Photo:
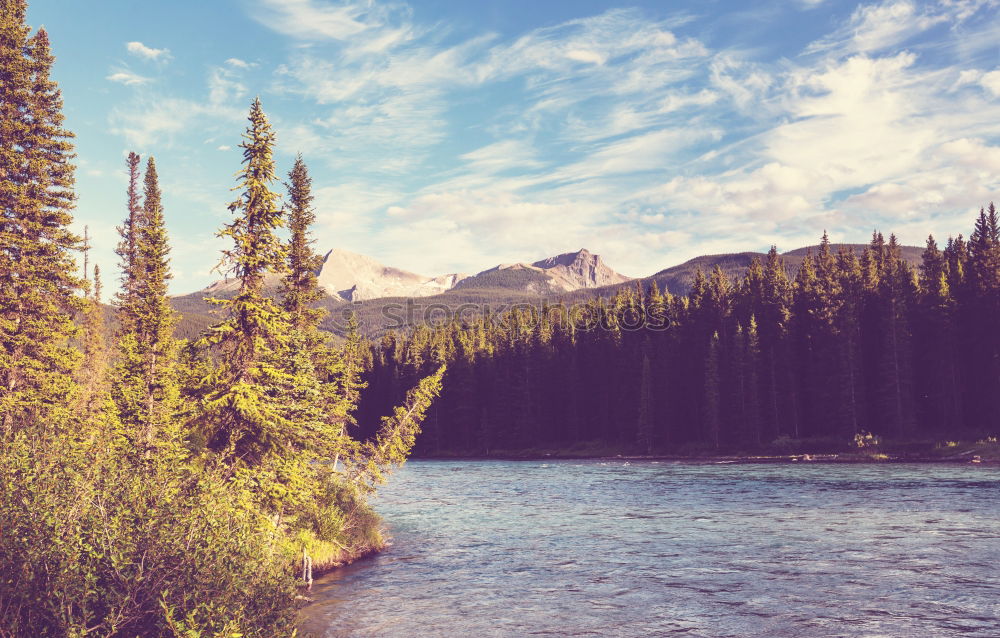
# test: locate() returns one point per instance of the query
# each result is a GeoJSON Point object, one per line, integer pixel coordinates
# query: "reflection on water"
{"type": "Point", "coordinates": [569, 548]}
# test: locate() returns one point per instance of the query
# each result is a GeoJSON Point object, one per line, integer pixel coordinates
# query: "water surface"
{"type": "Point", "coordinates": [570, 548]}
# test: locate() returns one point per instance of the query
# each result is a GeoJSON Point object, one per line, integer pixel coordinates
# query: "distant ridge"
{"type": "Point", "coordinates": [678, 279]}
{"type": "Point", "coordinates": [562, 273]}
{"type": "Point", "coordinates": [371, 287]}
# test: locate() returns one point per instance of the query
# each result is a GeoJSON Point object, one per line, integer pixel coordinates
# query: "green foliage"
{"type": "Point", "coordinates": [172, 491]}
{"type": "Point", "coordinates": [299, 288]}
{"type": "Point", "coordinates": [244, 416]}
{"type": "Point", "coordinates": [38, 287]}
{"type": "Point", "coordinates": [145, 387]}
{"type": "Point", "coordinates": [97, 541]}
{"type": "Point", "coordinates": [397, 434]}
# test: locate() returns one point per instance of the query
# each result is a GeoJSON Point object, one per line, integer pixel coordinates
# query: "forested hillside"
{"type": "Point", "coordinates": [856, 341]}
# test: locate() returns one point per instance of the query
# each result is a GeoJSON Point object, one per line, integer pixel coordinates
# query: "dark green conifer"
{"type": "Point", "coordinates": [127, 299]}
{"type": "Point", "coordinates": [645, 424]}
{"type": "Point", "coordinates": [299, 288]}
{"type": "Point", "coordinates": [38, 284]}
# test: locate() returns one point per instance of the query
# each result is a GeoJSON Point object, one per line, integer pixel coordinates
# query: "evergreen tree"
{"type": "Point", "coordinates": [244, 417]}
{"type": "Point", "coordinates": [645, 424]}
{"type": "Point", "coordinates": [712, 417]}
{"type": "Point", "coordinates": [299, 288]}
{"type": "Point", "coordinates": [146, 387]}
{"type": "Point", "coordinates": [891, 299]}
{"type": "Point", "coordinates": [93, 371]}
{"type": "Point", "coordinates": [934, 360]}
{"type": "Point", "coordinates": [851, 287]}
{"type": "Point", "coordinates": [38, 285]}
{"type": "Point", "coordinates": [155, 319]}
{"type": "Point", "coordinates": [774, 315]}
{"type": "Point", "coordinates": [128, 297]}
{"type": "Point", "coordinates": [982, 307]}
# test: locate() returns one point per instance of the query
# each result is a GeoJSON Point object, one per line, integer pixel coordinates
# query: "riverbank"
{"type": "Point", "coordinates": [333, 558]}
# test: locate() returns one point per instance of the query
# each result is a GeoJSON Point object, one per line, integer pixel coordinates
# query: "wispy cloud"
{"type": "Point", "coordinates": [309, 19]}
{"type": "Point", "coordinates": [153, 118]}
{"type": "Point", "coordinates": [642, 136]}
{"type": "Point", "coordinates": [239, 64]}
{"type": "Point", "coordinates": [892, 23]}
{"type": "Point", "coordinates": [129, 78]}
{"type": "Point", "coordinates": [140, 50]}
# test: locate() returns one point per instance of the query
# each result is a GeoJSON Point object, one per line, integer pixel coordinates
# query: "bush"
{"type": "Point", "coordinates": [97, 542]}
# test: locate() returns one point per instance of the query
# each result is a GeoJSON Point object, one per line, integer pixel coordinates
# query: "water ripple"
{"type": "Point", "coordinates": [642, 549]}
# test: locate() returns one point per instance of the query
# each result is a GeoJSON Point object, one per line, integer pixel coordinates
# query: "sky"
{"type": "Point", "coordinates": [449, 136]}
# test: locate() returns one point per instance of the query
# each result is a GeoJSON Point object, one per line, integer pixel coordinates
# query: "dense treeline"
{"type": "Point", "coordinates": [151, 486]}
{"type": "Point", "coordinates": [854, 343]}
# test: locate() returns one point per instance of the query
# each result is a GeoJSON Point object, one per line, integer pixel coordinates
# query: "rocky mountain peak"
{"type": "Point", "coordinates": [581, 269]}
{"type": "Point", "coordinates": [568, 259]}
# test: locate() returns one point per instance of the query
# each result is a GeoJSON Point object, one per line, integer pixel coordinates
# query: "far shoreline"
{"type": "Point", "coordinates": [790, 459]}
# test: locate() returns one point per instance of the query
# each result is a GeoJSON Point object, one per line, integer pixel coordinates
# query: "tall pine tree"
{"type": "Point", "coordinates": [38, 284]}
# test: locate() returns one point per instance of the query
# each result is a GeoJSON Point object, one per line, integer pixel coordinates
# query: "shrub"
{"type": "Point", "coordinates": [97, 542]}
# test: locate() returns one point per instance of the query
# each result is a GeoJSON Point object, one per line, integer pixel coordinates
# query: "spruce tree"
{"type": "Point", "coordinates": [893, 297]}
{"type": "Point", "coordinates": [934, 361]}
{"type": "Point", "coordinates": [299, 288]}
{"type": "Point", "coordinates": [93, 372]}
{"type": "Point", "coordinates": [127, 299]}
{"type": "Point", "coordinates": [712, 412]}
{"type": "Point", "coordinates": [774, 317]}
{"type": "Point", "coordinates": [850, 284]}
{"type": "Point", "coordinates": [751, 383]}
{"type": "Point", "coordinates": [38, 284]}
{"type": "Point", "coordinates": [155, 317]}
{"type": "Point", "coordinates": [244, 418]}
{"type": "Point", "coordinates": [145, 388]}
{"type": "Point", "coordinates": [981, 293]}
{"type": "Point", "coordinates": [644, 427]}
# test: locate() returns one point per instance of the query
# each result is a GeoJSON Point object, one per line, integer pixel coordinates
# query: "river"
{"type": "Point", "coordinates": [594, 548]}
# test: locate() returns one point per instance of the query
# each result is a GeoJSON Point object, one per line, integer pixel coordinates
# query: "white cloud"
{"type": "Point", "coordinates": [644, 152]}
{"type": "Point", "coordinates": [224, 88]}
{"type": "Point", "coordinates": [877, 26]}
{"type": "Point", "coordinates": [991, 82]}
{"type": "Point", "coordinates": [892, 23]}
{"type": "Point", "coordinates": [154, 118]}
{"type": "Point", "coordinates": [744, 82]}
{"type": "Point", "coordinates": [507, 155]}
{"type": "Point", "coordinates": [126, 77]}
{"type": "Point", "coordinates": [239, 64]}
{"type": "Point", "coordinates": [141, 50]}
{"type": "Point", "coordinates": [387, 84]}
{"type": "Point", "coordinates": [583, 55]}
{"type": "Point", "coordinates": [517, 228]}
{"type": "Point", "coordinates": [311, 20]}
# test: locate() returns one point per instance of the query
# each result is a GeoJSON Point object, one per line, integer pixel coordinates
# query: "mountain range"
{"type": "Point", "coordinates": [360, 284]}
{"type": "Point", "coordinates": [350, 277]}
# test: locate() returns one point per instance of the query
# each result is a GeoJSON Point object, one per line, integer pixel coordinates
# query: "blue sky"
{"type": "Point", "coordinates": [448, 136]}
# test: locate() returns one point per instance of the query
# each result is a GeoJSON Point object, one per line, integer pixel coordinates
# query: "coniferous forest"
{"type": "Point", "coordinates": [854, 344]}
{"type": "Point", "coordinates": [150, 486]}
